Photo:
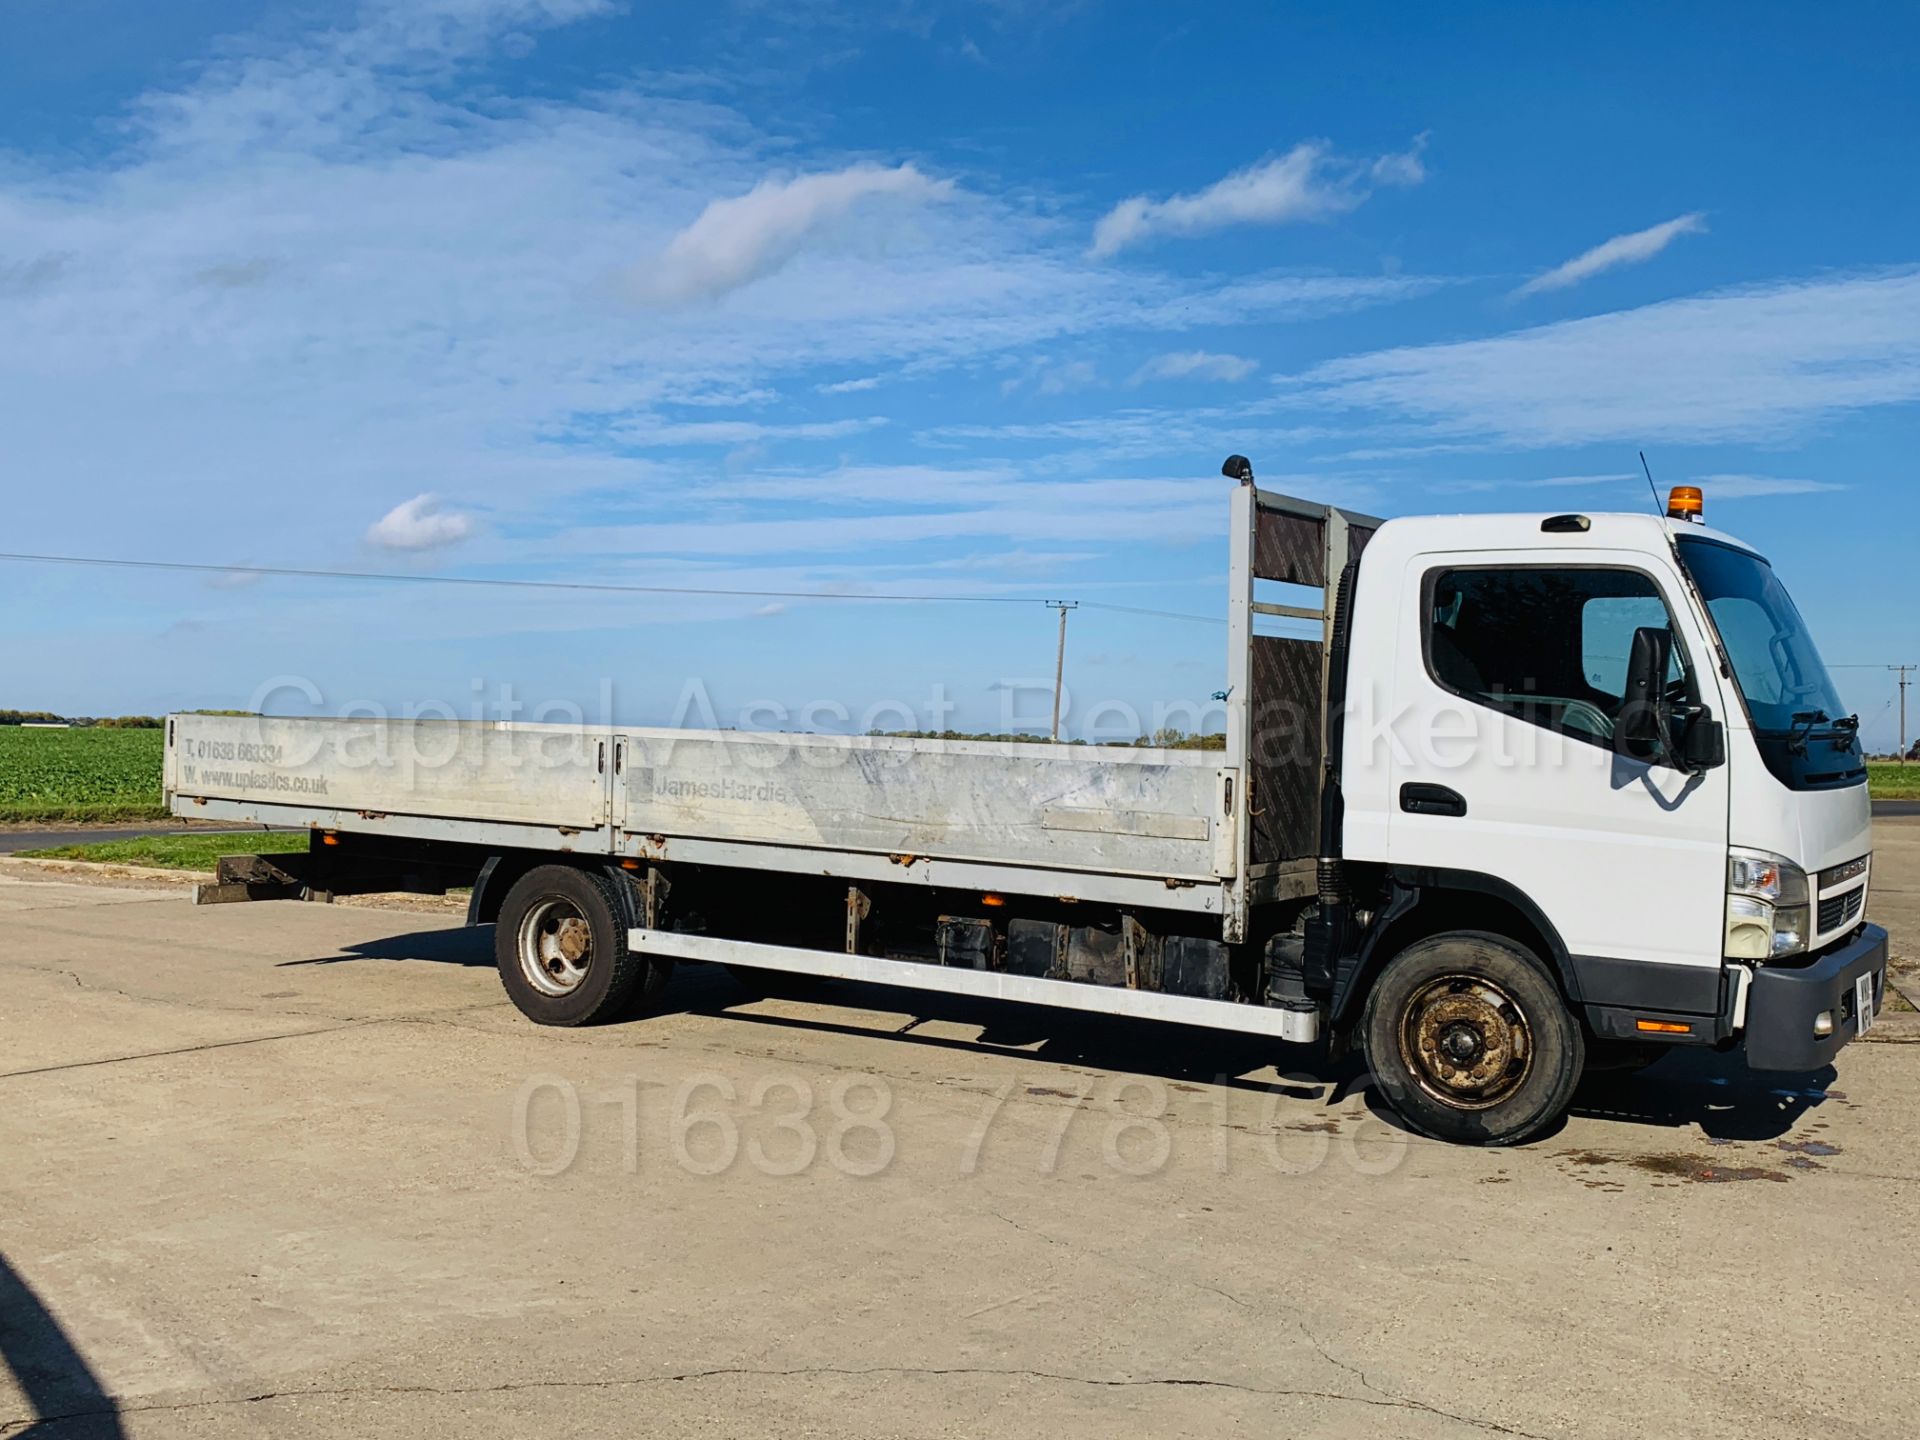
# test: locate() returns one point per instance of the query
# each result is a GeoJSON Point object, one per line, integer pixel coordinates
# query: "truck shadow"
{"type": "Point", "coordinates": [65, 1395]}
{"type": "Point", "coordinates": [462, 945]}
{"type": "Point", "coordinates": [1155, 1048]}
{"type": "Point", "coordinates": [1716, 1093]}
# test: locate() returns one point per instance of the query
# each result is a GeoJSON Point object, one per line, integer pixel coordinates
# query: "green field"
{"type": "Point", "coordinates": [190, 851]}
{"type": "Point", "coordinates": [80, 774]}
{"type": "Point", "coordinates": [100, 774]}
{"type": "Point", "coordinates": [1891, 780]}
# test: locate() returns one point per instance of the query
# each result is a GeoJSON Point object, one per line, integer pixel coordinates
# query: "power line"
{"type": "Point", "coordinates": [1144, 610]}
{"type": "Point", "coordinates": [595, 587]}
{"type": "Point", "coordinates": [602, 587]}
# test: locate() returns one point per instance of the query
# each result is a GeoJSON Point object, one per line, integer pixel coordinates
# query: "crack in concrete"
{"type": "Point", "coordinates": [1347, 1367]}
{"type": "Point", "coordinates": [68, 909]}
{"type": "Point", "coordinates": [1350, 1368]}
{"type": "Point", "coordinates": [1036, 1234]}
{"type": "Point", "coordinates": [1195, 1382]}
{"type": "Point", "coordinates": [184, 1050]}
{"type": "Point", "coordinates": [198, 1006]}
{"type": "Point", "coordinates": [344, 1022]}
{"type": "Point", "coordinates": [1199, 1117]}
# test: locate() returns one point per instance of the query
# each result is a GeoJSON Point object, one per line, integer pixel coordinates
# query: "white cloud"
{"type": "Point", "coordinates": [738, 241]}
{"type": "Point", "coordinates": [1753, 487]}
{"type": "Point", "coordinates": [1162, 511]}
{"type": "Point", "coordinates": [1739, 365]}
{"type": "Point", "coordinates": [1546, 482]}
{"type": "Point", "coordinates": [1405, 167]}
{"type": "Point", "coordinates": [733, 397]}
{"type": "Point", "coordinates": [1074, 375]}
{"type": "Point", "coordinates": [1717, 487]}
{"type": "Point", "coordinates": [23, 277]}
{"type": "Point", "coordinates": [858, 513]}
{"type": "Point", "coordinates": [419, 524]}
{"type": "Point", "coordinates": [1046, 376]}
{"type": "Point", "coordinates": [648, 433]}
{"type": "Point", "coordinates": [1307, 183]}
{"type": "Point", "coordinates": [334, 261]}
{"type": "Point", "coordinates": [1195, 364]}
{"type": "Point", "coordinates": [850, 387]}
{"type": "Point", "coordinates": [1628, 249]}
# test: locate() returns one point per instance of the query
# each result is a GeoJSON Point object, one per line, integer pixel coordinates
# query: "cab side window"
{"type": "Point", "coordinates": [1549, 647]}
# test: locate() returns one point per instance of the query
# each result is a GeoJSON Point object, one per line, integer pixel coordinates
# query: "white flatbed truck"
{"type": "Point", "coordinates": [1533, 793]}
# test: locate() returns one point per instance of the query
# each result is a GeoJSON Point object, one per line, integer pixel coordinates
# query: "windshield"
{"type": "Point", "coordinates": [1779, 670]}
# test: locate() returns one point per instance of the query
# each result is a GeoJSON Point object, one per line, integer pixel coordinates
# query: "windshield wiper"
{"type": "Point", "coordinates": [1803, 727]}
{"type": "Point", "coordinates": [1803, 723]}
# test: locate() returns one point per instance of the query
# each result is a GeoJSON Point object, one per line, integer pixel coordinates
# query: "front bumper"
{"type": "Point", "coordinates": [1782, 1003]}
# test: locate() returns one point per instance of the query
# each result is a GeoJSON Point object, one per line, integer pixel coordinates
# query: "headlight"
{"type": "Point", "coordinates": [1768, 915]}
{"type": "Point", "coordinates": [1766, 877]}
{"type": "Point", "coordinates": [1790, 930]}
{"type": "Point", "coordinates": [1749, 929]}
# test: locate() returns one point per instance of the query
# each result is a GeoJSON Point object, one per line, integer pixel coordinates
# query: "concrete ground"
{"type": "Point", "coordinates": [300, 1170]}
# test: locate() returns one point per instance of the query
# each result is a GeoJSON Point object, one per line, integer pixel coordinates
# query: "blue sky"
{"type": "Point", "coordinates": [964, 300]}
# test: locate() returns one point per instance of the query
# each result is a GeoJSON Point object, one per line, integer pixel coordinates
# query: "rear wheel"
{"type": "Point", "coordinates": [561, 947]}
{"type": "Point", "coordinates": [1470, 1040]}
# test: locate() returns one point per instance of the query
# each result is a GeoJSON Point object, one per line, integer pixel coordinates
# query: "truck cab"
{"type": "Point", "coordinates": [1607, 746]}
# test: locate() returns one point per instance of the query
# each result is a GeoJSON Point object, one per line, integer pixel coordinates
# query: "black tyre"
{"type": "Point", "coordinates": [561, 945]}
{"type": "Point", "coordinates": [1470, 1040]}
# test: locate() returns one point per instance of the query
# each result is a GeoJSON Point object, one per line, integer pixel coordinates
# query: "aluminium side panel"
{"type": "Point", "coordinates": [1103, 809]}
{"type": "Point", "coordinates": [553, 776]}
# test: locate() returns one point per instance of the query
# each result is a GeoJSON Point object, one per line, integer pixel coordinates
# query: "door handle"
{"type": "Point", "coordinates": [1432, 800]}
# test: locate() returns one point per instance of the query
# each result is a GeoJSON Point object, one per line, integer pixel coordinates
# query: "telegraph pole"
{"type": "Point", "coordinates": [1060, 660]}
{"type": "Point", "coordinates": [1903, 671]}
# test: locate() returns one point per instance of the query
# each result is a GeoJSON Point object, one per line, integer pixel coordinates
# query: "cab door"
{"type": "Point", "coordinates": [1512, 668]}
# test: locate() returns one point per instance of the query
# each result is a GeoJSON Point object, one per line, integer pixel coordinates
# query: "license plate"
{"type": "Point", "coordinates": [1863, 1004]}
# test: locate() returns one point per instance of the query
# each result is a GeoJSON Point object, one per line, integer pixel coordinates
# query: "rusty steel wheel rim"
{"type": "Point", "coordinates": [556, 946]}
{"type": "Point", "coordinates": [1466, 1042]}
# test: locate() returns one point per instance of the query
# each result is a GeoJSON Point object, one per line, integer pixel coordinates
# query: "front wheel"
{"type": "Point", "coordinates": [1470, 1040]}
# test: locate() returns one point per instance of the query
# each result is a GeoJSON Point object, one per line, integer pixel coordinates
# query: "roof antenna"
{"type": "Point", "coordinates": [1658, 508]}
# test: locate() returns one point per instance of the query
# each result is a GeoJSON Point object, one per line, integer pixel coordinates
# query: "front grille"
{"type": "Point", "coordinates": [1841, 910]}
{"type": "Point", "coordinates": [1840, 874]}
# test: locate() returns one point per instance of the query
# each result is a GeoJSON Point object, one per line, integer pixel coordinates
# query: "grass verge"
{"type": "Point", "coordinates": [1890, 780]}
{"type": "Point", "coordinates": [80, 812]}
{"type": "Point", "coordinates": [177, 852]}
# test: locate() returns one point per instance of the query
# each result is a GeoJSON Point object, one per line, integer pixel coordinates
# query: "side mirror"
{"type": "Point", "coordinates": [1641, 731]}
{"type": "Point", "coordinates": [1645, 730]}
